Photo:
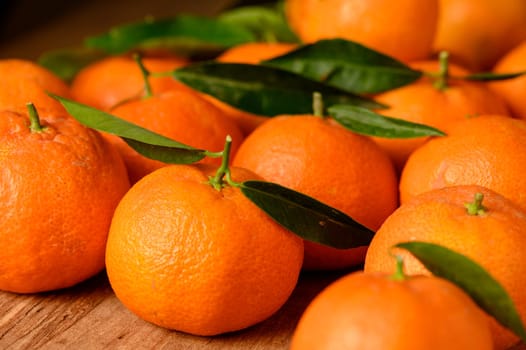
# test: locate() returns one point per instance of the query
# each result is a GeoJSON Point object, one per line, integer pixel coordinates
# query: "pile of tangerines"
{"type": "Point", "coordinates": [185, 249]}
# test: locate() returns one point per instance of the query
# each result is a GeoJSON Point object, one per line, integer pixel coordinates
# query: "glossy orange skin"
{"type": "Point", "coordinates": [477, 33]}
{"type": "Point", "coordinates": [112, 80]}
{"type": "Point", "coordinates": [489, 151]}
{"type": "Point", "coordinates": [421, 102]}
{"type": "Point", "coordinates": [58, 191]}
{"type": "Point", "coordinates": [512, 90]}
{"type": "Point", "coordinates": [494, 239]}
{"type": "Point", "coordinates": [180, 114]}
{"type": "Point", "coordinates": [370, 311]}
{"type": "Point", "coordinates": [188, 257]}
{"type": "Point", "coordinates": [403, 29]}
{"type": "Point", "coordinates": [323, 160]}
{"type": "Point", "coordinates": [24, 81]}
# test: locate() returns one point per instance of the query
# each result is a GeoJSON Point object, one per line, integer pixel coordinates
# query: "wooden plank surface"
{"type": "Point", "coordinates": [89, 316]}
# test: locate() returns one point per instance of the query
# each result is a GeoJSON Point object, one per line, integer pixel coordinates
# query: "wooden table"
{"type": "Point", "coordinates": [89, 316]}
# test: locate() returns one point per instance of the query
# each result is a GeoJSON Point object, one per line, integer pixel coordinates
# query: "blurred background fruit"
{"type": "Point", "coordinates": [112, 80]}
{"type": "Point", "coordinates": [478, 32]}
{"type": "Point", "coordinates": [25, 81]}
{"type": "Point", "coordinates": [404, 29]}
{"type": "Point", "coordinates": [512, 91]}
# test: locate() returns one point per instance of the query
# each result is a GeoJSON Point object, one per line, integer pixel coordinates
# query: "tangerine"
{"type": "Point", "coordinates": [437, 102]}
{"type": "Point", "coordinates": [404, 29]}
{"type": "Point", "coordinates": [511, 90]}
{"type": "Point", "coordinates": [370, 311]}
{"type": "Point", "coordinates": [478, 33]}
{"type": "Point", "coordinates": [24, 82]}
{"type": "Point", "coordinates": [59, 185]}
{"type": "Point", "coordinates": [488, 150]}
{"type": "Point", "coordinates": [255, 52]}
{"type": "Point", "coordinates": [321, 159]}
{"type": "Point", "coordinates": [198, 257]}
{"type": "Point", "coordinates": [472, 220]}
{"type": "Point", "coordinates": [180, 114]}
{"type": "Point", "coordinates": [114, 79]}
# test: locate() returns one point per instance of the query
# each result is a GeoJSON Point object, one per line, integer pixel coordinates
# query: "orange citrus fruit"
{"type": "Point", "coordinates": [115, 79]}
{"type": "Point", "coordinates": [59, 185]}
{"type": "Point", "coordinates": [180, 114]}
{"type": "Point", "coordinates": [24, 81]}
{"type": "Point", "coordinates": [477, 33]}
{"type": "Point", "coordinates": [490, 232]}
{"type": "Point", "coordinates": [255, 52]}
{"type": "Point", "coordinates": [321, 159]}
{"type": "Point", "coordinates": [426, 103]}
{"type": "Point", "coordinates": [489, 151]}
{"type": "Point", "coordinates": [512, 90]}
{"type": "Point", "coordinates": [186, 256]}
{"type": "Point", "coordinates": [371, 311]}
{"type": "Point", "coordinates": [404, 29]}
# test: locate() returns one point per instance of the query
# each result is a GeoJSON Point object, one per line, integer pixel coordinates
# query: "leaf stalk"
{"type": "Point", "coordinates": [145, 74]}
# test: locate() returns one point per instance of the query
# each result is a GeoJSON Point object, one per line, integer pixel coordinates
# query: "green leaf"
{"type": "Point", "coordinates": [263, 90]}
{"type": "Point", "coordinates": [489, 76]}
{"type": "Point", "coordinates": [66, 63]}
{"type": "Point", "coordinates": [472, 278]}
{"type": "Point", "coordinates": [306, 216]}
{"type": "Point", "coordinates": [367, 122]}
{"type": "Point", "coordinates": [265, 23]}
{"type": "Point", "coordinates": [180, 31]}
{"type": "Point", "coordinates": [347, 65]}
{"type": "Point", "coordinates": [144, 141]}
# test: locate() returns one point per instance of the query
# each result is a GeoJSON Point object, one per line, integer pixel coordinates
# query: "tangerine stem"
{"type": "Point", "coordinates": [145, 74]}
{"type": "Point", "coordinates": [476, 207]}
{"type": "Point", "coordinates": [224, 170]}
{"type": "Point", "coordinates": [443, 72]}
{"type": "Point", "coordinates": [399, 274]}
{"type": "Point", "coordinates": [317, 104]}
{"type": "Point", "coordinates": [34, 119]}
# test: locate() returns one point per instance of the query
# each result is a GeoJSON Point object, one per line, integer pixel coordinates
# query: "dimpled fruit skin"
{"type": "Point", "coordinates": [188, 257]}
{"type": "Point", "coordinates": [323, 160]}
{"type": "Point", "coordinates": [494, 239]}
{"type": "Point", "coordinates": [488, 150]}
{"type": "Point", "coordinates": [58, 192]}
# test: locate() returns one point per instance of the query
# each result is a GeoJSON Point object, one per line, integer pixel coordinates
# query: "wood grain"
{"type": "Point", "coordinates": [89, 316]}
